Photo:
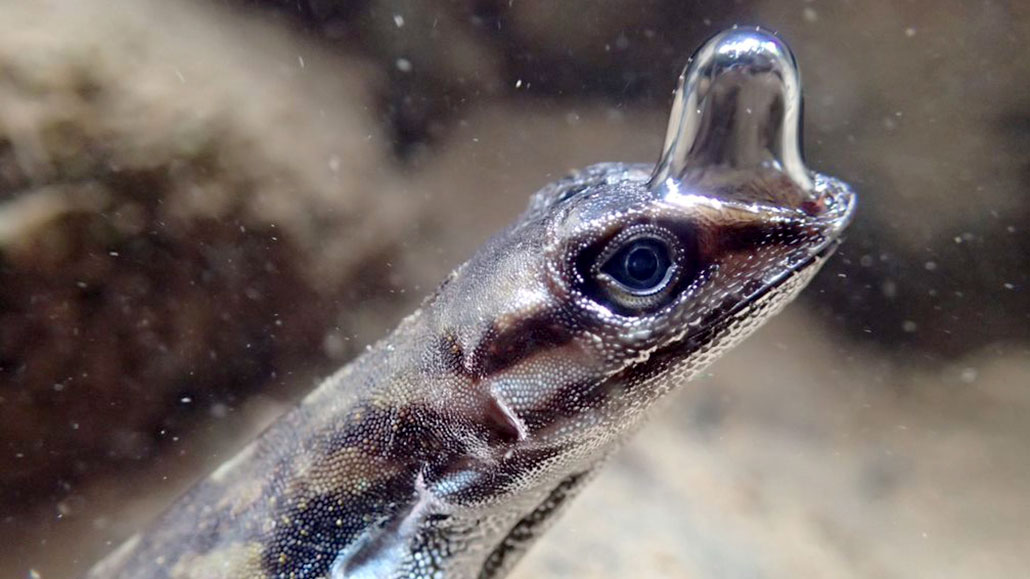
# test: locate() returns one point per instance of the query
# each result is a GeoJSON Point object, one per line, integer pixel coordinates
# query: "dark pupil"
{"type": "Point", "coordinates": [640, 266]}
{"type": "Point", "coordinates": [642, 263]}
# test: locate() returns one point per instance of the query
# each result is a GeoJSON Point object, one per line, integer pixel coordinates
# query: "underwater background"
{"type": "Point", "coordinates": [206, 206]}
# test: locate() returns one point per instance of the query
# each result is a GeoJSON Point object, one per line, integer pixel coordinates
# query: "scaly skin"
{"type": "Point", "coordinates": [447, 448]}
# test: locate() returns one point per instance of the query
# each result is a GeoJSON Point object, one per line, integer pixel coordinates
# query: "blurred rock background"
{"type": "Point", "coordinates": [206, 206]}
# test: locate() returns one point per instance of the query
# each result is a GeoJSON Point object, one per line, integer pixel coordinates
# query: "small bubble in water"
{"type": "Point", "coordinates": [968, 375]}
{"type": "Point", "coordinates": [889, 288]}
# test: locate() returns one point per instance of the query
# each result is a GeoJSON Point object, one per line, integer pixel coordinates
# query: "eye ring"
{"type": "Point", "coordinates": [638, 268]}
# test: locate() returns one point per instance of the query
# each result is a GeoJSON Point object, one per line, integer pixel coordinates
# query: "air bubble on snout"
{"type": "Point", "coordinates": [737, 107]}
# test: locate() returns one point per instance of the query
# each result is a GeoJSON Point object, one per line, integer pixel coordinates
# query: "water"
{"type": "Point", "coordinates": [221, 204]}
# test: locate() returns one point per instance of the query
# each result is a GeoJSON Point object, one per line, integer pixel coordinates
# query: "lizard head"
{"type": "Point", "coordinates": [622, 281]}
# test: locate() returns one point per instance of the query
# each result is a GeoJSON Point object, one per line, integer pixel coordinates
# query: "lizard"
{"type": "Point", "coordinates": [449, 446]}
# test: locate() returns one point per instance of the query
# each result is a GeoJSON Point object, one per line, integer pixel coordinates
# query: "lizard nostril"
{"type": "Point", "coordinates": [831, 198]}
{"type": "Point", "coordinates": [815, 207]}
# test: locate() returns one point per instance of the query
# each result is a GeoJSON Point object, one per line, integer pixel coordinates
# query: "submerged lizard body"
{"type": "Point", "coordinates": [445, 449]}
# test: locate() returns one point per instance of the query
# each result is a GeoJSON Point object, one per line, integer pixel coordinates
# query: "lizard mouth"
{"type": "Point", "coordinates": [779, 289]}
{"type": "Point", "coordinates": [807, 266]}
{"type": "Point", "coordinates": [841, 207]}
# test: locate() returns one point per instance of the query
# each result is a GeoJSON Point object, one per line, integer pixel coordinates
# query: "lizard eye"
{"type": "Point", "coordinates": [638, 269]}
{"type": "Point", "coordinates": [641, 266]}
